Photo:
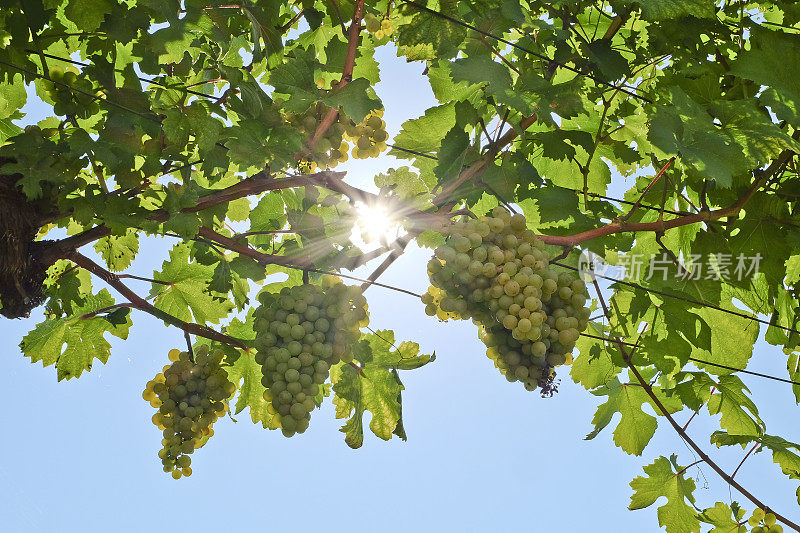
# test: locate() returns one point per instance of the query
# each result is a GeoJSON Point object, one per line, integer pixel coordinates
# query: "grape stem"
{"type": "Point", "coordinates": [681, 432]}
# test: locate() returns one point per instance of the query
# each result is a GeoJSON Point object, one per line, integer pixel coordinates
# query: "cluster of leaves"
{"type": "Point", "coordinates": [187, 137]}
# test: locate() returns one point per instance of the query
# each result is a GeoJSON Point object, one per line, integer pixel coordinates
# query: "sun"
{"type": "Point", "coordinates": [376, 223]}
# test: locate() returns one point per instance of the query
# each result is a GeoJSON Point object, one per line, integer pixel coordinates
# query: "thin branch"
{"type": "Point", "coordinates": [647, 189]}
{"type": "Point", "coordinates": [685, 436]}
{"type": "Point", "coordinates": [497, 195]}
{"type": "Point", "coordinates": [347, 72]}
{"type": "Point", "coordinates": [131, 276]}
{"type": "Point", "coordinates": [756, 445]}
{"type": "Point", "coordinates": [499, 56]}
{"type": "Point", "coordinates": [140, 303]}
{"type": "Point", "coordinates": [686, 425]}
{"type": "Point", "coordinates": [475, 170]}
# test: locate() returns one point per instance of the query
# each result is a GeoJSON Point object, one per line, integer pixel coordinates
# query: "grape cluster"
{"type": "Point", "coordinates": [68, 102]}
{"type": "Point", "coordinates": [190, 395]}
{"type": "Point", "coordinates": [379, 27]}
{"type": "Point", "coordinates": [763, 522]}
{"type": "Point", "coordinates": [300, 333]}
{"type": "Point", "coordinates": [331, 149]}
{"type": "Point", "coordinates": [496, 272]}
{"type": "Point", "coordinates": [369, 136]}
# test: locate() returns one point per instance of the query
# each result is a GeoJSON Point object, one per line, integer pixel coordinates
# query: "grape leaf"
{"type": "Point", "coordinates": [761, 64]}
{"type": "Point", "coordinates": [183, 289]}
{"type": "Point", "coordinates": [87, 14]}
{"type": "Point", "coordinates": [594, 366]}
{"type": "Point", "coordinates": [357, 99]}
{"type": "Point", "coordinates": [723, 518]}
{"type": "Point", "coordinates": [739, 415]}
{"type": "Point", "coordinates": [673, 9]}
{"type": "Point", "coordinates": [425, 134]}
{"type": "Point", "coordinates": [246, 374]}
{"type": "Point", "coordinates": [374, 386]}
{"type": "Point", "coordinates": [118, 251]}
{"type": "Point", "coordinates": [73, 343]}
{"type": "Point", "coordinates": [676, 516]}
{"type": "Point", "coordinates": [635, 428]}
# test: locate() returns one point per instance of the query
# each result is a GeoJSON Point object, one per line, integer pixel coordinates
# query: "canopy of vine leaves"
{"type": "Point", "coordinates": [220, 124]}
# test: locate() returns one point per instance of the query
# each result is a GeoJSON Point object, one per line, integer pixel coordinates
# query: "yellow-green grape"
{"type": "Point", "coordinates": [757, 517]}
{"type": "Point", "coordinates": [369, 135]}
{"type": "Point", "coordinates": [770, 519]}
{"type": "Point", "coordinates": [372, 22]}
{"type": "Point", "coordinates": [330, 149]}
{"type": "Point", "coordinates": [300, 333]}
{"type": "Point", "coordinates": [386, 27]}
{"type": "Point", "coordinates": [190, 394]}
{"type": "Point", "coordinates": [496, 272]}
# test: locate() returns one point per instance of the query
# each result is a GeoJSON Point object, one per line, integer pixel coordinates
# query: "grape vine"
{"type": "Point", "coordinates": [217, 126]}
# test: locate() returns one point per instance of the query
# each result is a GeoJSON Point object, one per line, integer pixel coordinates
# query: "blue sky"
{"type": "Point", "coordinates": [482, 454]}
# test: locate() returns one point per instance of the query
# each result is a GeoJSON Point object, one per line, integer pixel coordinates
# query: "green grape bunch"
{"type": "Point", "coordinates": [331, 149]}
{"type": "Point", "coordinates": [380, 28]}
{"type": "Point", "coordinates": [369, 136]}
{"type": "Point", "coordinates": [762, 522]}
{"type": "Point", "coordinates": [190, 394]}
{"type": "Point", "coordinates": [496, 272]}
{"type": "Point", "coordinates": [67, 102]}
{"type": "Point", "coordinates": [300, 333]}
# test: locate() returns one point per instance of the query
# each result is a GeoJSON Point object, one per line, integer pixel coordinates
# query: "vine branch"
{"type": "Point", "coordinates": [137, 302]}
{"type": "Point", "coordinates": [678, 429]}
{"type": "Point", "coordinates": [347, 72]}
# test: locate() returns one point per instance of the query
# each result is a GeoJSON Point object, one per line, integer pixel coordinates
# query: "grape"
{"type": "Point", "coordinates": [317, 332]}
{"type": "Point", "coordinates": [190, 394]}
{"type": "Point", "coordinates": [495, 271]}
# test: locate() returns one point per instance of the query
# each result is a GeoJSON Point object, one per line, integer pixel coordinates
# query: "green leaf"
{"type": "Point", "coordinates": [482, 70]}
{"type": "Point", "coordinates": [406, 185]}
{"type": "Point", "coordinates": [676, 516]}
{"type": "Point", "coordinates": [295, 78]}
{"type": "Point", "coordinates": [785, 454]}
{"type": "Point", "coordinates": [246, 374]}
{"type": "Point", "coordinates": [425, 134]}
{"type": "Point", "coordinates": [673, 9]}
{"type": "Point", "coordinates": [611, 63]}
{"type": "Point", "coordinates": [739, 415]}
{"type": "Point", "coordinates": [183, 293]}
{"type": "Point", "coordinates": [374, 386]}
{"type": "Point", "coordinates": [765, 67]}
{"type": "Point", "coordinates": [686, 129]}
{"type": "Point", "coordinates": [357, 99]}
{"type": "Point", "coordinates": [635, 428]}
{"type": "Point", "coordinates": [87, 14]}
{"type": "Point", "coordinates": [793, 269]}
{"type": "Point", "coordinates": [73, 343]}
{"type": "Point", "coordinates": [446, 89]}
{"type": "Point", "coordinates": [722, 518]}
{"type": "Point", "coordinates": [451, 155]}
{"type": "Point", "coordinates": [594, 366]}
{"type": "Point", "coordinates": [12, 97]}
{"type": "Point", "coordinates": [118, 251]}
{"type": "Point", "coordinates": [793, 367]}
